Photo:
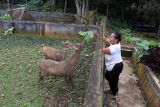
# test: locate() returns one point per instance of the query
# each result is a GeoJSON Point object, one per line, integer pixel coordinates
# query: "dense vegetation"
{"type": "Point", "coordinates": [152, 59]}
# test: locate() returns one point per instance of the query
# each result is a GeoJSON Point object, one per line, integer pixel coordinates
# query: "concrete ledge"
{"type": "Point", "coordinates": [94, 92]}
{"type": "Point", "coordinates": [41, 28]}
{"type": "Point", "coordinates": [52, 17]}
{"type": "Point", "coordinates": [127, 51]}
{"type": "Point", "coordinates": [148, 82]}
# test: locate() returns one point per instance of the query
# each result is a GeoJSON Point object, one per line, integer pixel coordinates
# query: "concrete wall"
{"type": "Point", "coordinates": [5, 25]}
{"type": "Point", "coordinates": [41, 28]}
{"type": "Point", "coordinates": [54, 17]}
{"type": "Point", "coordinates": [44, 16]}
{"type": "Point", "coordinates": [148, 82]}
{"type": "Point", "coordinates": [2, 12]}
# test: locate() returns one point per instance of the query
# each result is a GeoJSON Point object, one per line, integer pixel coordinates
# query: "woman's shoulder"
{"type": "Point", "coordinates": [116, 45]}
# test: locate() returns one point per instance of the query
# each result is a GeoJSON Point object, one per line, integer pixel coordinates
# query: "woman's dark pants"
{"type": "Point", "coordinates": [113, 77]}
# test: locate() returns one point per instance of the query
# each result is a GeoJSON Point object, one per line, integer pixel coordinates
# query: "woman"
{"type": "Point", "coordinates": [113, 61]}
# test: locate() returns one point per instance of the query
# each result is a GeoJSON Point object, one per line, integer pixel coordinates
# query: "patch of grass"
{"type": "Point", "coordinates": [19, 74]}
{"type": "Point", "coordinates": [72, 104]}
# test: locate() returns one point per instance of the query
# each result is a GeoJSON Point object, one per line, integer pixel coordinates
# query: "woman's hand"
{"type": "Point", "coordinates": [106, 40]}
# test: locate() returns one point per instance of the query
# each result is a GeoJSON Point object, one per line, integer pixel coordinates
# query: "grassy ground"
{"type": "Point", "coordinates": [19, 81]}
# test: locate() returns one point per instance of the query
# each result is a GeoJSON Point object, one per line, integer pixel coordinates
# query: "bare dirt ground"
{"type": "Point", "coordinates": [129, 93]}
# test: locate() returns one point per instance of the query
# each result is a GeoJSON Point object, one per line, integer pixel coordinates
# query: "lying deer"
{"type": "Point", "coordinates": [56, 54]}
{"type": "Point", "coordinates": [63, 68]}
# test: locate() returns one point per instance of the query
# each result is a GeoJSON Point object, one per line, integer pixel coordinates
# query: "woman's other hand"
{"type": "Point", "coordinates": [106, 51]}
{"type": "Point", "coordinates": [106, 40]}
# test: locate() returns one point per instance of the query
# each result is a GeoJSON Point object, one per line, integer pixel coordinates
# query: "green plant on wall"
{"type": "Point", "coordinates": [126, 35]}
{"type": "Point", "coordinates": [5, 17]}
{"type": "Point", "coordinates": [87, 36]}
{"type": "Point", "coordinates": [8, 31]}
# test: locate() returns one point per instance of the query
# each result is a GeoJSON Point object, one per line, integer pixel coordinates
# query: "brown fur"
{"type": "Point", "coordinates": [56, 54]}
{"type": "Point", "coordinates": [63, 68]}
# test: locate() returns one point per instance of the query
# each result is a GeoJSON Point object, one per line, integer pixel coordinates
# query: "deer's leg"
{"type": "Point", "coordinates": [68, 79]}
{"type": "Point", "coordinates": [41, 76]}
{"type": "Point", "coordinates": [45, 57]}
{"type": "Point", "coordinates": [71, 80]}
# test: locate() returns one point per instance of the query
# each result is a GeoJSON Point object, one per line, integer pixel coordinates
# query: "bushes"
{"type": "Point", "coordinates": [126, 35]}
{"type": "Point", "coordinates": [5, 17]}
{"type": "Point", "coordinates": [152, 60]}
{"type": "Point", "coordinates": [148, 53]}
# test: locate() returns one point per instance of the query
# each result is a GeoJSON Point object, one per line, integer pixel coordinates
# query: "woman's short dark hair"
{"type": "Point", "coordinates": [117, 36]}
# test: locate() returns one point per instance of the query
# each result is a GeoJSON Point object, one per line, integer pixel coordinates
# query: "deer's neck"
{"type": "Point", "coordinates": [74, 57]}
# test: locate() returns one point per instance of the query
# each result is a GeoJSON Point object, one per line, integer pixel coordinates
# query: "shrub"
{"type": "Point", "coordinates": [5, 17]}
{"type": "Point", "coordinates": [152, 60]}
{"type": "Point", "coordinates": [126, 35]}
{"type": "Point", "coordinates": [9, 31]}
{"type": "Point", "coordinates": [87, 36]}
{"type": "Point", "coordinates": [143, 47]}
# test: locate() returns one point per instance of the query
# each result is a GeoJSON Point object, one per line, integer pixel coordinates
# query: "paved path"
{"type": "Point", "coordinates": [129, 93]}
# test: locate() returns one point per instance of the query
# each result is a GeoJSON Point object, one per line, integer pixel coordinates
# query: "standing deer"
{"type": "Point", "coordinates": [63, 68]}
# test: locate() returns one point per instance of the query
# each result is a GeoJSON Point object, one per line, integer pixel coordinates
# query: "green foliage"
{"type": "Point", "coordinates": [126, 35]}
{"type": "Point", "coordinates": [90, 17]}
{"type": "Point", "coordinates": [51, 8]}
{"type": "Point", "coordinates": [152, 60]}
{"type": "Point", "coordinates": [26, 105]}
{"type": "Point", "coordinates": [8, 31]}
{"type": "Point", "coordinates": [34, 5]}
{"type": "Point", "coordinates": [87, 36]}
{"type": "Point", "coordinates": [143, 47]}
{"type": "Point", "coordinates": [153, 43]}
{"type": "Point", "coordinates": [39, 5]}
{"type": "Point", "coordinates": [5, 17]}
{"type": "Point", "coordinates": [151, 10]}
{"type": "Point", "coordinates": [35, 2]}
{"type": "Point", "coordinates": [72, 104]}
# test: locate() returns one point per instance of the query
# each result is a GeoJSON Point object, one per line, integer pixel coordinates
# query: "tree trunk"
{"type": "Point", "coordinates": [82, 7]}
{"type": "Point", "coordinates": [107, 9]}
{"type": "Point", "coordinates": [78, 8]}
{"type": "Point", "coordinates": [122, 18]}
{"type": "Point", "coordinates": [87, 5]}
{"type": "Point", "coordinates": [10, 10]}
{"type": "Point", "coordinates": [8, 4]}
{"type": "Point", "coordinates": [65, 6]}
{"type": "Point", "coordinates": [158, 29]}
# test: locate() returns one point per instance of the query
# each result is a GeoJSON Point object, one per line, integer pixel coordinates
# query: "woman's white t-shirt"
{"type": "Point", "coordinates": [115, 57]}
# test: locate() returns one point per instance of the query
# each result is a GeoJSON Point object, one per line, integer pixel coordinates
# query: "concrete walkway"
{"type": "Point", "coordinates": [129, 93]}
